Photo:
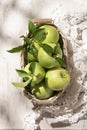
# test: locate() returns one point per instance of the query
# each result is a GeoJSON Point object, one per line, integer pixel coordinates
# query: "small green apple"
{"type": "Point", "coordinates": [41, 91]}
{"type": "Point", "coordinates": [52, 34]}
{"type": "Point", "coordinates": [36, 71]}
{"type": "Point", "coordinates": [48, 60]}
{"type": "Point", "coordinates": [57, 79]}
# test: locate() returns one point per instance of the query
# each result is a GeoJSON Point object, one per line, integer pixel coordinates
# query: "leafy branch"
{"type": "Point", "coordinates": [34, 34]}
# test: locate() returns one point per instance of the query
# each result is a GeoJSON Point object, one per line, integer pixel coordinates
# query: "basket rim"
{"type": "Point", "coordinates": [48, 101]}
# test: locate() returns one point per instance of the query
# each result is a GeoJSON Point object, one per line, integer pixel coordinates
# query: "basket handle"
{"type": "Point", "coordinates": [43, 21]}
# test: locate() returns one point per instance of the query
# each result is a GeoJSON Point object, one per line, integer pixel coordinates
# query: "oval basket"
{"type": "Point", "coordinates": [63, 45]}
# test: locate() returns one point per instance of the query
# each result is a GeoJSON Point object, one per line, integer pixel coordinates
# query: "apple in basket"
{"type": "Point", "coordinates": [57, 79]}
{"type": "Point", "coordinates": [41, 91]}
{"type": "Point", "coordinates": [48, 53]}
{"type": "Point", "coordinates": [36, 71]}
{"type": "Point", "coordinates": [52, 35]}
{"type": "Point", "coordinates": [33, 73]}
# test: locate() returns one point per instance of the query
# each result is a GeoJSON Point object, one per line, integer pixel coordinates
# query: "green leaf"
{"type": "Point", "coordinates": [32, 67]}
{"type": "Point", "coordinates": [28, 48]}
{"type": "Point", "coordinates": [17, 49]}
{"type": "Point", "coordinates": [26, 39]}
{"type": "Point", "coordinates": [21, 84]}
{"type": "Point", "coordinates": [40, 35]}
{"type": "Point", "coordinates": [33, 51]}
{"type": "Point", "coordinates": [47, 48]}
{"type": "Point", "coordinates": [31, 27]}
{"type": "Point", "coordinates": [57, 48]}
{"type": "Point", "coordinates": [22, 36]}
{"type": "Point", "coordinates": [22, 73]}
{"type": "Point", "coordinates": [61, 62]}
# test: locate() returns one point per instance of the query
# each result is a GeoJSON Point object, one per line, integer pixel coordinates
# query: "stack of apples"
{"type": "Point", "coordinates": [45, 71]}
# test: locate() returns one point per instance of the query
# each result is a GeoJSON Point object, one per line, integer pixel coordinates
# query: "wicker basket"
{"type": "Point", "coordinates": [63, 44]}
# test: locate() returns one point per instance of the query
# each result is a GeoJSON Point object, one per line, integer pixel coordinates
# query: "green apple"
{"type": "Point", "coordinates": [36, 71]}
{"type": "Point", "coordinates": [48, 60]}
{"type": "Point", "coordinates": [57, 79]}
{"type": "Point", "coordinates": [52, 34]}
{"type": "Point", "coordinates": [41, 91]}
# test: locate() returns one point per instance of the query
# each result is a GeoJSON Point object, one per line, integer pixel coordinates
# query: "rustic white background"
{"type": "Point", "coordinates": [14, 16]}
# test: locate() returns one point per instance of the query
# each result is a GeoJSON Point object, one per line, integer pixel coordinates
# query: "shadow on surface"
{"type": "Point", "coordinates": [73, 103]}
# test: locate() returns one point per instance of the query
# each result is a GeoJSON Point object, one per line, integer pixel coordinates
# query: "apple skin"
{"type": "Point", "coordinates": [41, 91]}
{"type": "Point", "coordinates": [60, 54]}
{"type": "Point", "coordinates": [39, 70]}
{"type": "Point", "coordinates": [30, 57]}
{"type": "Point", "coordinates": [57, 79]}
{"type": "Point", "coordinates": [52, 34]}
{"type": "Point", "coordinates": [46, 60]}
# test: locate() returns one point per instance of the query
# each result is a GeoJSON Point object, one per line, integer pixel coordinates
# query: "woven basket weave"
{"type": "Point", "coordinates": [63, 44]}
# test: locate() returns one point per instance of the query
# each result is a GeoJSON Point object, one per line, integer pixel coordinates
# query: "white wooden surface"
{"type": "Point", "coordinates": [14, 16]}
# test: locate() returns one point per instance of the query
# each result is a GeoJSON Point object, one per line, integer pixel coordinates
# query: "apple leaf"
{"type": "Point", "coordinates": [26, 39]}
{"type": "Point", "coordinates": [57, 48]}
{"type": "Point", "coordinates": [39, 35]}
{"type": "Point", "coordinates": [17, 49]}
{"type": "Point", "coordinates": [33, 51]}
{"type": "Point", "coordinates": [22, 84]}
{"type": "Point", "coordinates": [61, 62]}
{"type": "Point", "coordinates": [22, 73]}
{"type": "Point", "coordinates": [32, 67]}
{"type": "Point", "coordinates": [28, 48]}
{"type": "Point", "coordinates": [31, 27]}
{"type": "Point", "coordinates": [48, 49]}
